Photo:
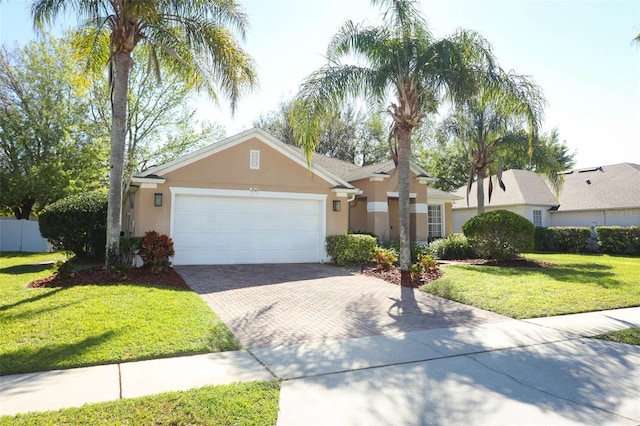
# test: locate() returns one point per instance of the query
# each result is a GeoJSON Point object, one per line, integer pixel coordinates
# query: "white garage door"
{"type": "Point", "coordinates": [214, 229]}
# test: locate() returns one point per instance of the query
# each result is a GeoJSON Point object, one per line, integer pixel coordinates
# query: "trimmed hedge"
{"type": "Point", "coordinates": [499, 234]}
{"type": "Point", "coordinates": [618, 239]}
{"type": "Point", "coordinates": [77, 223]}
{"type": "Point", "coordinates": [562, 239]}
{"type": "Point", "coordinates": [351, 249]}
{"type": "Point", "coordinates": [454, 246]}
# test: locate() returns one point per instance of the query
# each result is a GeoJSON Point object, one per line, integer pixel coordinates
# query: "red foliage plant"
{"type": "Point", "coordinates": [155, 251]}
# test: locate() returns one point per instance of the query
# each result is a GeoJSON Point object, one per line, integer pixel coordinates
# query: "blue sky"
{"type": "Point", "coordinates": [579, 52]}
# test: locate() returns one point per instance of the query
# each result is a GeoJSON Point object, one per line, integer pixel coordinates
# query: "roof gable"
{"type": "Point", "coordinates": [235, 140]}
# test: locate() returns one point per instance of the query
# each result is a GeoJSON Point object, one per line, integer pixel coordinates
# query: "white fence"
{"type": "Point", "coordinates": [21, 235]}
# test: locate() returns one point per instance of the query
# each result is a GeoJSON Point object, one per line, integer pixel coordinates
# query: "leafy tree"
{"type": "Point", "coordinates": [448, 162]}
{"type": "Point", "coordinates": [277, 123]}
{"type": "Point", "coordinates": [448, 159]}
{"type": "Point", "coordinates": [338, 135]}
{"type": "Point", "coordinates": [50, 147]}
{"type": "Point", "coordinates": [372, 144]}
{"type": "Point", "coordinates": [400, 58]}
{"type": "Point", "coordinates": [547, 156]}
{"type": "Point", "coordinates": [160, 123]}
{"type": "Point", "coordinates": [492, 119]}
{"type": "Point", "coordinates": [194, 38]}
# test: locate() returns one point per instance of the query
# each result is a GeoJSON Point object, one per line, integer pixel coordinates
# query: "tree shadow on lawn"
{"type": "Point", "coordinates": [26, 269]}
{"type": "Point", "coordinates": [29, 299]}
{"type": "Point", "coordinates": [52, 357]}
{"type": "Point", "coordinates": [579, 273]}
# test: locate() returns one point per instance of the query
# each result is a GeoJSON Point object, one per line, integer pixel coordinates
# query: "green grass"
{"type": "Point", "coordinates": [45, 329]}
{"type": "Point", "coordinates": [237, 404]}
{"type": "Point", "coordinates": [578, 283]}
{"type": "Point", "coordinates": [630, 336]}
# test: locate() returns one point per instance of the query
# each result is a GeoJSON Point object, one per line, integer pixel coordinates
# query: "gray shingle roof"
{"type": "Point", "coordinates": [523, 188]}
{"type": "Point", "coordinates": [616, 186]}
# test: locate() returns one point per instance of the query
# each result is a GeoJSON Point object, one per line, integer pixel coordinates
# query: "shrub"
{"type": "Point", "coordinates": [563, 239]}
{"type": "Point", "coordinates": [454, 246]}
{"type": "Point", "coordinates": [351, 249]}
{"type": "Point", "coordinates": [499, 234]}
{"type": "Point", "coordinates": [77, 223]}
{"type": "Point", "coordinates": [425, 263]}
{"type": "Point", "coordinates": [619, 240]}
{"type": "Point", "coordinates": [416, 249]}
{"type": "Point", "coordinates": [385, 258]}
{"type": "Point", "coordinates": [129, 247]}
{"type": "Point", "coordinates": [63, 269]}
{"type": "Point", "coordinates": [155, 251]}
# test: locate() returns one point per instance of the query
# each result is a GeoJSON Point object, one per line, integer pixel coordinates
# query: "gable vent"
{"type": "Point", "coordinates": [254, 159]}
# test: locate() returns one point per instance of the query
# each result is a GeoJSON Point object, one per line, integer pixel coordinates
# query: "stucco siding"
{"type": "Point", "coordinates": [230, 170]}
{"type": "Point", "coordinates": [622, 217]}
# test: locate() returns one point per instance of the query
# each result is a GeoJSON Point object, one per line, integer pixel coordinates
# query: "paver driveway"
{"type": "Point", "coordinates": [272, 305]}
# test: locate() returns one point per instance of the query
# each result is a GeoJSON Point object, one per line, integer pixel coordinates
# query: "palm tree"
{"type": "Point", "coordinates": [195, 38]}
{"type": "Point", "coordinates": [493, 119]}
{"type": "Point", "coordinates": [399, 59]}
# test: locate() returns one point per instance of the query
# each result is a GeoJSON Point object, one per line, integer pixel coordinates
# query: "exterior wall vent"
{"type": "Point", "coordinates": [254, 159]}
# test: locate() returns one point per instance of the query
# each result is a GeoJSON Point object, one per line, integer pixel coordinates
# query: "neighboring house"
{"type": "Point", "coordinates": [253, 199]}
{"type": "Point", "coordinates": [599, 196]}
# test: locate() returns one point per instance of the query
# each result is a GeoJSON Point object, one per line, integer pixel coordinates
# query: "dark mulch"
{"type": "Point", "coordinates": [98, 275]}
{"type": "Point", "coordinates": [393, 276]}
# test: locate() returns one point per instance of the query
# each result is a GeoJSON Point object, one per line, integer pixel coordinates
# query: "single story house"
{"type": "Point", "coordinates": [253, 199]}
{"type": "Point", "coordinates": [597, 196]}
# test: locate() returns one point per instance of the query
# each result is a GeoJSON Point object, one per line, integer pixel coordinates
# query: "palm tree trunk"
{"type": "Point", "coordinates": [122, 66]}
{"type": "Point", "coordinates": [404, 154]}
{"type": "Point", "coordinates": [480, 190]}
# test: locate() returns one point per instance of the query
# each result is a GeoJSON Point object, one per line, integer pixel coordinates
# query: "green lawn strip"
{"type": "Point", "coordinates": [578, 283]}
{"type": "Point", "coordinates": [253, 403]}
{"type": "Point", "coordinates": [630, 336]}
{"type": "Point", "coordinates": [45, 329]}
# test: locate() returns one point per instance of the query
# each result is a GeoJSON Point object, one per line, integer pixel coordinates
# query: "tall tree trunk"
{"type": "Point", "coordinates": [123, 63]}
{"type": "Point", "coordinates": [404, 155]}
{"type": "Point", "coordinates": [480, 190]}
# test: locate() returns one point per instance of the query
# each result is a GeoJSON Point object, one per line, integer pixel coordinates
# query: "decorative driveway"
{"type": "Point", "coordinates": [286, 304]}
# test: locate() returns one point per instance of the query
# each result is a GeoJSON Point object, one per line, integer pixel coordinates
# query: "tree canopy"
{"type": "Point", "coordinates": [50, 145]}
{"type": "Point", "coordinates": [346, 134]}
{"type": "Point", "coordinates": [494, 117]}
{"type": "Point", "coordinates": [161, 120]}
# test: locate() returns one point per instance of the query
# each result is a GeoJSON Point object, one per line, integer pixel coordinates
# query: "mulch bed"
{"type": "Point", "coordinates": [98, 275]}
{"type": "Point", "coordinates": [393, 275]}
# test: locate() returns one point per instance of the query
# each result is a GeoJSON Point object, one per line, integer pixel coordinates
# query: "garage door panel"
{"type": "Point", "coordinates": [227, 230]}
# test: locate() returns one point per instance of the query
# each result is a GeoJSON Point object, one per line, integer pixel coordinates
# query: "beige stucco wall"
{"type": "Point", "coordinates": [229, 169]}
{"type": "Point", "coordinates": [385, 223]}
{"type": "Point", "coordinates": [358, 214]}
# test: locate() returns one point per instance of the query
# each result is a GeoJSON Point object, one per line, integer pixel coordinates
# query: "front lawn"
{"type": "Point", "coordinates": [237, 404]}
{"type": "Point", "coordinates": [577, 283]}
{"type": "Point", "coordinates": [53, 328]}
{"type": "Point", "coordinates": [630, 336]}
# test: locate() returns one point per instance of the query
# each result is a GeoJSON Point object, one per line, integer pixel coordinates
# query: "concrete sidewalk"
{"type": "Point", "coordinates": [526, 372]}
